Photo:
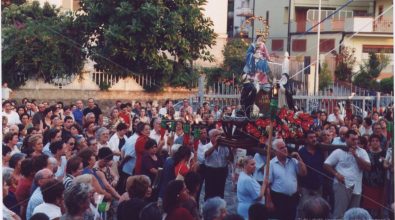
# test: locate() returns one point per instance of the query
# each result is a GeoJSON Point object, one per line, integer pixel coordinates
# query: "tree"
{"type": "Point", "coordinates": [39, 42]}
{"type": "Point", "coordinates": [345, 61]}
{"type": "Point", "coordinates": [234, 56]}
{"type": "Point", "coordinates": [370, 70]}
{"type": "Point", "coordinates": [153, 37]}
{"type": "Point", "coordinates": [387, 85]}
{"type": "Point", "coordinates": [325, 77]}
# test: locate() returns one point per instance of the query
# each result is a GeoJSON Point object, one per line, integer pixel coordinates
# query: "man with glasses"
{"type": "Point", "coordinates": [41, 178]}
{"type": "Point", "coordinates": [347, 167]}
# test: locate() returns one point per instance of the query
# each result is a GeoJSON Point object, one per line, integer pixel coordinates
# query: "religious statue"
{"type": "Point", "coordinates": [257, 58]}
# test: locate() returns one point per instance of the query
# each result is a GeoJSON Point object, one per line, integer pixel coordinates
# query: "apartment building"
{"type": "Point", "coordinates": [366, 26]}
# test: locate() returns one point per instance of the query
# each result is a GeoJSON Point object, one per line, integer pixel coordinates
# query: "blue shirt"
{"type": "Point", "coordinates": [47, 151]}
{"type": "Point", "coordinates": [283, 178]}
{"type": "Point", "coordinates": [167, 175]}
{"type": "Point", "coordinates": [35, 200]}
{"type": "Point", "coordinates": [219, 157]}
{"type": "Point", "coordinates": [129, 150]}
{"type": "Point", "coordinates": [78, 115]}
{"type": "Point", "coordinates": [248, 190]}
{"type": "Point", "coordinates": [314, 163]}
{"type": "Point", "coordinates": [260, 160]}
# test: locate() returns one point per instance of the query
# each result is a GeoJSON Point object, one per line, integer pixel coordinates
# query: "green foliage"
{"type": "Point", "coordinates": [39, 42]}
{"type": "Point", "coordinates": [370, 70]}
{"type": "Point", "coordinates": [345, 63]}
{"type": "Point", "coordinates": [387, 85]}
{"type": "Point", "coordinates": [234, 56]}
{"type": "Point", "coordinates": [104, 86]}
{"type": "Point", "coordinates": [143, 36]}
{"type": "Point", "coordinates": [325, 79]}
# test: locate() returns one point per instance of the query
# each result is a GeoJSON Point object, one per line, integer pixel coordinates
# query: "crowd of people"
{"type": "Point", "coordinates": [144, 162]}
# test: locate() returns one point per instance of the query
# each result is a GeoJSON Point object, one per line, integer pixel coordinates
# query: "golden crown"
{"type": "Point", "coordinates": [262, 33]}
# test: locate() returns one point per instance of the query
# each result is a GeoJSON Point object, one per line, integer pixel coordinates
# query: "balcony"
{"type": "Point", "coordinates": [244, 12]}
{"type": "Point", "coordinates": [353, 24]}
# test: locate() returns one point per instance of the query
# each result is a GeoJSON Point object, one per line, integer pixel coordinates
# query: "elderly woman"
{"type": "Point", "coordinates": [248, 189]}
{"type": "Point", "coordinates": [138, 187]}
{"type": "Point", "coordinates": [77, 200]}
{"type": "Point", "coordinates": [9, 199]}
{"type": "Point", "coordinates": [102, 137]}
{"type": "Point", "coordinates": [36, 145]}
{"type": "Point", "coordinates": [176, 193]}
{"type": "Point", "coordinates": [214, 208]}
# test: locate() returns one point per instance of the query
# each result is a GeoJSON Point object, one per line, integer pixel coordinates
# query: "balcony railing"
{"type": "Point", "coordinates": [245, 12]}
{"type": "Point", "coordinates": [354, 24]}
{"type": "Point", "coordinates": [383, 26]}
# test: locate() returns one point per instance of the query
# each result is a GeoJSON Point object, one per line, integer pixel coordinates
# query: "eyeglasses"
{"type": "Point", "coordinates": [72, 143]}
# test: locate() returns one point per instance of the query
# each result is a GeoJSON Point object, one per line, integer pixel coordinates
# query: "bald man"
{"type": "Point", "coordinates": [41, 178]}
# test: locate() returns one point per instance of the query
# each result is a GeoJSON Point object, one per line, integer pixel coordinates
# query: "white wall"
{"type": "Point", "coordinates": [217, 11]}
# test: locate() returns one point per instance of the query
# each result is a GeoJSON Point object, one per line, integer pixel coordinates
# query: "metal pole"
{"type": "Point", "coordinates": [318, 48]}
{"type": "Point", "coordinates": [289, 29]}
{"type": "Point", "coordinates": [253, 23]}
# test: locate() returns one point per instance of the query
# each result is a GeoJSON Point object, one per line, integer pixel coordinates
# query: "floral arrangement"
{"type": "Point", "coordinates": [286, 124]}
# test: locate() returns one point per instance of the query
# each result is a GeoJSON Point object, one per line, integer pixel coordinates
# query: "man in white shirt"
{"type": "Point", "coordinates": [41, 178]}
{"type": "Point", "coordinates": [341, 140]}
{"type": "Point", "coordinates": [347, 167]}
{"type": "Point", "coordinates": [216, 161]}
{"type": "Point", "coordinates": [52, 193]}
{"type": "Point", "coordinates": [336, 118]}
{"type": "Point", "coordinates": [5, 91]}
{"type": "Point", "coordinates": [12, 116]}
{"type": "Point", "coordinates": [118, 140]}
{"type": "Point", "coordinates": [164, 110]}
{"type": "Point", "coordinates": [155, 134]}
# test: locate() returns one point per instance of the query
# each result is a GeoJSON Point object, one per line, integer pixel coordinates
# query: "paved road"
{"type": "Point", "coordinates": [230, 196]}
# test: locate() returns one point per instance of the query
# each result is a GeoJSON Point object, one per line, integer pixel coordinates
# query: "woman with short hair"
{"type": "Point", "coordinates": [77, 199]}
{"type": "Point", "coordinates": [248, 189]}
{"type": "Point", "coordinates": [138, 191]}
{"type": "Point", "coordinates": [176, 193]}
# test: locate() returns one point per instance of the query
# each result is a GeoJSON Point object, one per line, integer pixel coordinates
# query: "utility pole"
{"type": "Point", "coordinates": [318, 50]}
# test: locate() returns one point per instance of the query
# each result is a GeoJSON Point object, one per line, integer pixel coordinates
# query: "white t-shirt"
{"type": "Point", "coordinates": [51, 210]}
{"type": "Point", "coordinates": [338, 141]}
{"type": "Point", "coordinates": [332, 118]}
{"type": "Point", "coordinates": [113, 144]}
{"type": "Point", "coordinates": [5, 93]}
{"type": "Point", "coordinates": [363, 130]}
{"type": "Point", "coordinates": [13, 118]}
{"type": "Point", "coordinates": [345, 164]}
{"type": "Point", "coordinates": [163, 111]}
{"type": "Point", "coordinates": [154, 135]}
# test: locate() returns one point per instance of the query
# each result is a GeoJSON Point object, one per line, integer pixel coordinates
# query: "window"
{"type": "Point", "coordinates": [377, 48]}
{"type": "Point", "coordinates": [299, 45]}
{"type": "Point", "coordinates": [286, 15]}
{"type": "Point", "coordinates": [277, 45]}
{"type": "Point", "coordinates": [326, 45]}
